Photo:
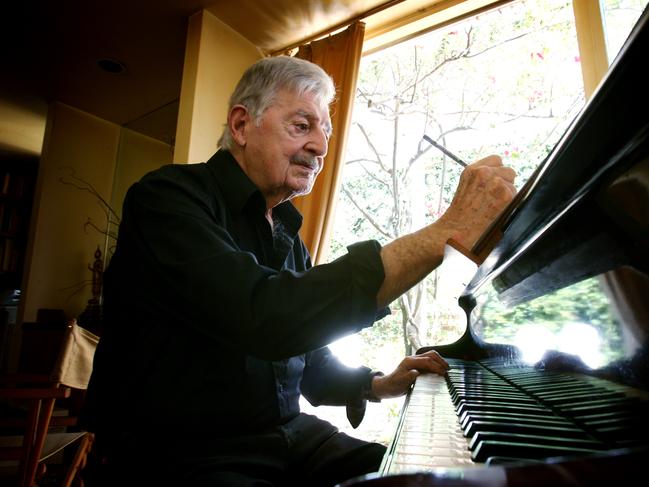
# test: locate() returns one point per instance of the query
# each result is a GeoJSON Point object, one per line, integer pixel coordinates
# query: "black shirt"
{"type": "Point", "coordinates": [213, 322]}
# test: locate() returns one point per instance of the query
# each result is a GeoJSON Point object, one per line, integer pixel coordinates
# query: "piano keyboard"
{"type": "Point", "coordinates": [430, 434]}
{"type": "Point", "coordinates": [490, 413]}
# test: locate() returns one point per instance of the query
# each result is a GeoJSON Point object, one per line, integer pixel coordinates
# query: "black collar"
{"type": "Point", "coordinates": [239, 191]}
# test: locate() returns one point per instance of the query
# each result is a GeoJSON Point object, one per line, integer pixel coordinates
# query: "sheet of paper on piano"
{"type": "Point", "coordinates": [456, 271]}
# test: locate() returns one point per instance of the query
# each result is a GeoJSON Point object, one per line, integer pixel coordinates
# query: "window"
{"type": "Point", "coordinates": [619, 16]}
{"type": "Point", "coordinates": [507, 81]}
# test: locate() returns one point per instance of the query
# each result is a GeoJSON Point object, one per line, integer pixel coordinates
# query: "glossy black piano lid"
{"type": "Point", "coordinates": [575, 253]}
{"type": "Point", "coordinates": [610, 136]}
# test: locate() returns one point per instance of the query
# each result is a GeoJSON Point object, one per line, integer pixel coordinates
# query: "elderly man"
{"type": "Point", "coordinates": [216, 322]}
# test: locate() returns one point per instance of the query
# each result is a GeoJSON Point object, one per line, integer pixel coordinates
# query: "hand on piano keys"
{"type": "Point", "coordinates": [497, 411]}
{"type": "Point", "coordinates": [401, 379]}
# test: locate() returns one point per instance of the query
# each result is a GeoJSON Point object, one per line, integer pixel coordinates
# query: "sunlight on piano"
{"type": "Point", "coordinates": [578, 320]}
{"type": "Point", "coordinates": [579, 339]}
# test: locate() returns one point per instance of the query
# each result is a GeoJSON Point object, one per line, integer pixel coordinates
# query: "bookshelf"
{"type": "Point", "coordinates": [17, 181]}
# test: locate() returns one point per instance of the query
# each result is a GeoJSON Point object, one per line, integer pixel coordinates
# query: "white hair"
{"type": "Point", "coordinates": [262, 81]}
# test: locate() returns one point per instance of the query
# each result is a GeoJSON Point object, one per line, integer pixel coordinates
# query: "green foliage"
{"type": "Point", "coordinates": [583, 302]}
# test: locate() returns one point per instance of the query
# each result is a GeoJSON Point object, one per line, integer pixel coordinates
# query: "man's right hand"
{"type": "Point", "coordinates": [486, 187]}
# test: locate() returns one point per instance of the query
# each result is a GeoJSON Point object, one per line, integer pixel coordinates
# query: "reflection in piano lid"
{"type": "Point", "coordinates": [550, 382]}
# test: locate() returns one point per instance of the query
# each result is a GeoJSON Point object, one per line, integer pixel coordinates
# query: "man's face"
{"type": "Point", "coordinates": [284, 151]}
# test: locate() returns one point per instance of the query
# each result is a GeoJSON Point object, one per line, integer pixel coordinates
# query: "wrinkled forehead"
{"type": "Point", "coordinates": [309, 104]}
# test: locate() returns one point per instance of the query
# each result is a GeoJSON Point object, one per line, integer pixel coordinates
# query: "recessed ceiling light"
{"type": "Point", "coordinates": [111, 66]}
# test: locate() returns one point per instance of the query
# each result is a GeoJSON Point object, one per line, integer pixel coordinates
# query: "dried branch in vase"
{"type": "Point", "coordinates": [112, 218]}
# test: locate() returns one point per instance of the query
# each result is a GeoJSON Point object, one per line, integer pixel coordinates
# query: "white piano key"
{"type": "Point", "coordinates": [430, 436]}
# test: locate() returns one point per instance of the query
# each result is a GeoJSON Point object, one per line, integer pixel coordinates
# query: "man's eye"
{"type": "Point", "coordinates": [302, 127]}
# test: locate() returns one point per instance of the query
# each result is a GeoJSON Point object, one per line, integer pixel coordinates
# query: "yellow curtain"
{"type": "Point", "coordinates": [339, 55]}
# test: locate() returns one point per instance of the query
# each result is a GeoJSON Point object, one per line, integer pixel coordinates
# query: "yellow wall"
{"type": "Point", "coordinates": [215, 58]}
{"type": "Point", "coordinates": [110, 159]}
{"type": "Point", "coordinates": [80, 144]}
{"type": "Point", "coordinates": [22, 124]}
{"type": "Point", "coordinates": [137, 155]}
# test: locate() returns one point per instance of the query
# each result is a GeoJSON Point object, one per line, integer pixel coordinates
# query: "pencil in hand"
{"type": "Point", "coordinates": [445, 151]}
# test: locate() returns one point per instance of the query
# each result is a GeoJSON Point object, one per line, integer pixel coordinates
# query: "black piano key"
{"type": "Point", "coordinates": [470, 393]}
{"type": "Point", "coordinates": [627, 404]}
{"type": "Point", "coordinates": [559, 399]}
{"type": "Point", "coordinates": [479, 391]}
{"type": "Point", "coordinates": [547, 379]}
{"type": "Point", "coordinates": [487, 407]}
{"type": "Point", "coordinates": [498, 401]}
{"type": "Point", "coordinates": [510, 461]}
{"type": "Point", "coordinates": [566, 431]}
{"type": "Point", "coordinates": [471, 373]}
{"type": "Point", "coordinates": [578, 387]}
{"type": "Point", "coordinates": [522, 413]}
{"type": "Point", "coordinates": [535, 439]}
{"type": "Point", "coordinates": [553, 387]}
{"type": "Point", "coordinates": [536, 374]}
{"type": "Point", "coordinates": [516, 418]}
{"type": "Point", "coordinates": [624, 402]}
{"type": "Point", "coordinates": [620, 418]}
{"type": "Point", "coordinates": [485, 390]}
{"type": "Point", "coordinates": [486, 449]}
{"type": "Point", "coordinates": [611, 416]}
{"type": "Point", "coordinates": [544, 379]}
{"type": "Point", "coordinates": [482, 385]}
{"type": "Point", "coordinates": [517, 400]}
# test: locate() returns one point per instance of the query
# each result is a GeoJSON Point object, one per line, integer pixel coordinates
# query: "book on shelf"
{"type": "Point", "coordinates": [13, 185]}
{"type": "Point", "coordinates": [18, 186]}
{"type": "Point", "coordinates": [5, 183]}
{"type": "Point", "coordinates": [8, 219]}
{"type": "Point", "coordinates": [9, 256]}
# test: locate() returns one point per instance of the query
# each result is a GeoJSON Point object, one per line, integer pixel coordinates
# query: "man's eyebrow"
{"type": "Point", "coordinates": [310, 116]}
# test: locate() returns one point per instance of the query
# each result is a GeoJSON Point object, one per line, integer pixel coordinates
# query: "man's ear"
{"type": "Point", "coordinates": [238, 120]}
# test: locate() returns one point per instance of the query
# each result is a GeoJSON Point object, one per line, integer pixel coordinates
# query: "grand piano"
{"type": "Point", "coordinates": [563, 401]}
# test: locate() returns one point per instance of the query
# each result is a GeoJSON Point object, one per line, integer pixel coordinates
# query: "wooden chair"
{"type": "Point", "coordinates": [31, 432]}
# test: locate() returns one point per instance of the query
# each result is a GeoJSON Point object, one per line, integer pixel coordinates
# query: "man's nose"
{"type": "Point", "coordinates": [318, 143]}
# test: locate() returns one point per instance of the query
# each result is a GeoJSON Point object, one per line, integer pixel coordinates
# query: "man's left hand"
{"type": "Point", "coordinates": [398, 382]}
